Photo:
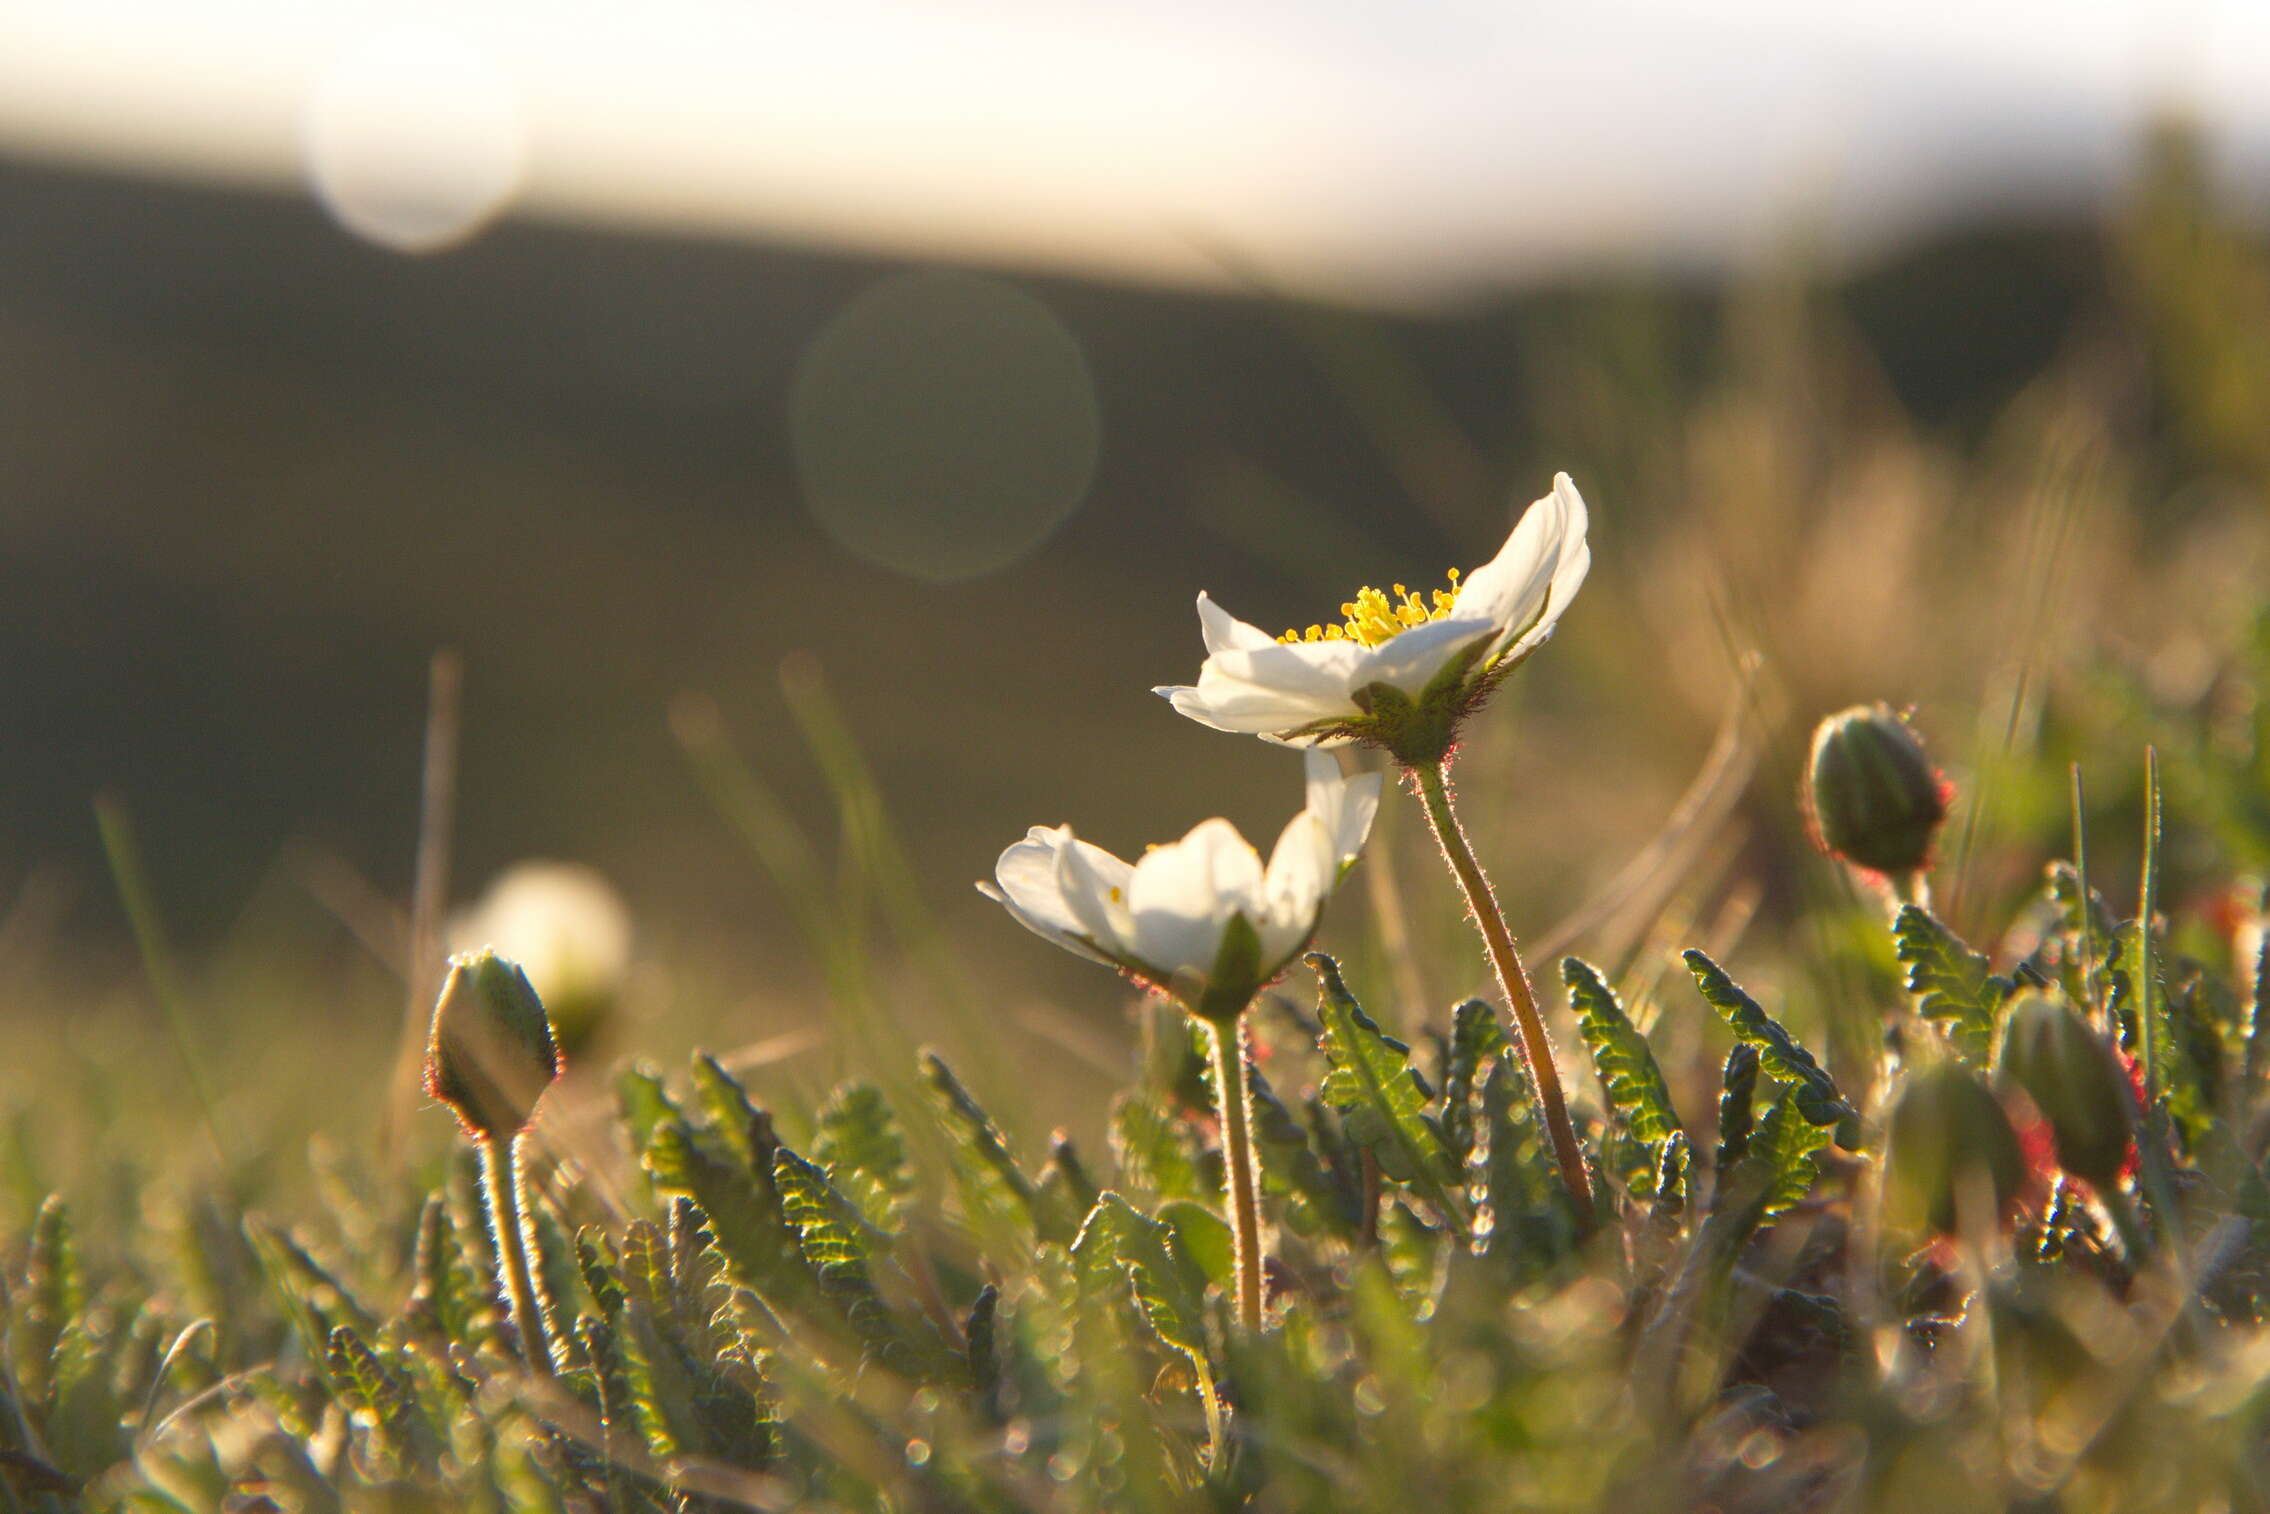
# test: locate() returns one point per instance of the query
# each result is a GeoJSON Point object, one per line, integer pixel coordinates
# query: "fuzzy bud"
{"type": "Point", "coordinates": [2072, 1077]}
{"type": "Point", "coordinates": [1947, 1139]}
{"type": "Point", "coordinates": [1871, 793]}
{"type": "Point", "coordinates": [490, 1055]}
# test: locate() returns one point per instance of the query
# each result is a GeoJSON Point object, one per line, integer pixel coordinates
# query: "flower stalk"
{"type": "Point", "coordinates": [509, 1225]}
{"type": "Point", "coordinates": [1432, 781]}
{"type": "Point", "coordinates": [1233, 1097]}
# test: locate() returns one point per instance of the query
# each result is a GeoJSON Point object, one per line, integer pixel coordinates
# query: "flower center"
{"type": "Point", "coordinates": [1373, 616]}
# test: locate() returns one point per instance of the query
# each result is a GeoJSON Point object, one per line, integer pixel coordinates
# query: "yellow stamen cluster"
{"type": "Point", "coordinates": [1373, 616]}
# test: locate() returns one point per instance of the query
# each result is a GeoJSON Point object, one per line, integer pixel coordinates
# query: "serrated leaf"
{"type": "Point", "coordinates": [1202, 1237]}
{"type": "Point", "coordinates": [1783, 1159]}
{"type": "Point", "coordinates": [1522, 1214]}
{"type": "Point", "coordinates": [995, 1190]}
{"type": "Point", "coordinates": [1737, 1106]}
{"type": "Point", "coordinates": [1290, 1166]}
{"type": "Point", "coordinates": [1951, 984]}
{"type": "Point", "coordinates": [1063, 1194]}
{"type": "Point", "coordinates": [843, 1252]}
{"type": "Point", "coordinates": [2197, 1014]}
{"type": "Point", "coordinates": [367, 1379]}
{"type": "Point", "coordinates": [1119, 1245]}
{"type": "Point", "coordinates": [1674, 1176]}
{"type": "Point", "coordinates": [620, 1427]}
{"type": "Point", "coordinates": [1780, 1056]}
{"type": "Point", "coordinates": [319, 1300]}
{"type": "Point", "coordinates": [643, 1105]}
{"type": "Point", "coordinates": [984, 1351]}
{"type": "Point", "coordinates": [595, 1260]}
{"type": "Point", "coordinates": [2084, 933]}
{"type": "Point", "coordinates": [82, 1430]}
{"type": "Point", "coordinates": [54, 1291]}
{"type": "Point", "coordinates": [742, 1209]}
{"type": "Point", "coordinates": [446, 1295]}
{"type": "Point", "coordinates": [859, 1142]}
{"type": "Point", "coordinates": [1476, 1038]}
{"type": "Point", "coordinates": [1380, 1096]}
{"type": "Point", "coordinates": [739, 1126]}
{"type": "Point", "coordinates": [1151, 1148]}
{"type": "Point", "coordinates": [1621, 1056]}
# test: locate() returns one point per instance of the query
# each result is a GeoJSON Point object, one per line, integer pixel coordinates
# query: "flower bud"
{"type": "Point", "coordinates": [1948, 1139]}
{"type": "Point", "coordinates": [2074, 1080]}
{"type": "Point", "coordinates": [1871, 793]}
{"type": "Point", "coordinates": [490, 1055]}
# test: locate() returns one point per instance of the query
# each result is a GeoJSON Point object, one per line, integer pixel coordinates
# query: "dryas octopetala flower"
{"type": "Point", "coordinates": [1398, 672]}
{"type": "Point", "coordinates": [569, 931]}
{"type": "Point", "coordinates": [1201, 918]}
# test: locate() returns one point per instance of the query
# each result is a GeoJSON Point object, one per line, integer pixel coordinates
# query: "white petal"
{"type": "Point", "coordinates": [1029, 887]}
{"type": "Point", "coordinates": [1410, 659]}
{"type": "Point", "coordinates": [1568, 573]}
{"type": "Point", "coordinates": [1508, 589]}
{"type": "Point", "coordinates": [1094, 885]}
{"type": "Point", "coordinates": [1183, 894]}
{"type": "Point", "coordinates": [1345, 804]}
{"type": "Point", "coordinates": [1315, 670]}
{"type": "Point", "coordinates": [1224, 632]}
{"type": "Point", "coordinates": [1232, 704]}
{"type": "Point", "coordinates": [1302, 869]}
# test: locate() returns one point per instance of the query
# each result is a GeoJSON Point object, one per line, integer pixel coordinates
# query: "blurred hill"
{"type": "Point", "coordinates": [252, 472]}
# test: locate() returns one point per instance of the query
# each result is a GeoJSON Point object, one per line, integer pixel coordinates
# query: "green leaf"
{"type": "Point", "coordinates": [643, 1104]}
{"type": "Point", "coordinates": [1317, 1198]}
{"type": "Point", "coordinates": [2084, 935]}
{"type": "Point", "coordinates": [1737, 1106]}
{"type": "Point", "coordinates": [1783, 1159]}
{"type": "Point", "coordinates": [1780, 1056]}
{"type": "Point", "coordinates": [54, 1292]}
{"type": "Point", "coordinates": [984, 1351]}
{"type": "Point", "coordinates": [1476, 1038]}
{"type": "Point", "coordinates": [1522, 1213]}
{"type": "Point", "coordinates": [1151, 1148]}
{"type": "Point", "coordinates": [595, 1259]}
{"type": "Point", "coordinates": [994, 1189]}
{"type": "Point", "coordinates": [844, 1252]}
{"type": "Point", "coordinates": [1636, 1089]}
{"type": "Point", "coordinates": [1674, 1176]}
{"type": "Point", "coordinates": [446, 1294]}
{"type": "Point", "coordinates": [1117, 1244]}
{"type": "Point", "coordinates": [1203, 1236]}
{"type": "Point", "coordinates": [859, 1142]}
{"type": "Point", "coordinates": [82, 1430]}
{"type": "Point", "coordinates": [1380, 1096]}
{"type": "Point", "coordinates": [737, 1123]}
{"type": "Point", "coordinates": [1064, 1193]}
{"type": "Point", "coordinates": [743, 1212]}
{"type": "Point", "coordinates": [318, 1299]}
{"type": "Point", "coordinates": [1950, 983]}
{"type": "Point", "coordinates": [366, 1379]}
{"type": "Point", "coordinates": [621, 1425]}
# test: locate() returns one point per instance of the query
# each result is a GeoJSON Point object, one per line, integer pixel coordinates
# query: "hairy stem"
{"type": "Point", "coordinates": [1234, 1100]}
{"type": "Point", "coordinates": [1433, 784]}
{"type": "Point", "coordinates": [508, 1223]}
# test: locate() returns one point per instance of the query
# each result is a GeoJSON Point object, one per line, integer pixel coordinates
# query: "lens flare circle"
{"type": "Point", "coordinates": [944, 424]}
{"type": "Point", "coordinates": [413, 138]}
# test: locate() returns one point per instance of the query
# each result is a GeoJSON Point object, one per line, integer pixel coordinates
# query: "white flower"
{"type": "Point", "coordinates": [1201, 917]}
{"type": "Point", "coordinates": [1399, 672]}
{"type": "Point", "coordinates": [567, 928]}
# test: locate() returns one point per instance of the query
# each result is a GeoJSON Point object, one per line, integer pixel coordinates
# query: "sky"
{"type": "Point", "coordinates": [1350, 149]}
